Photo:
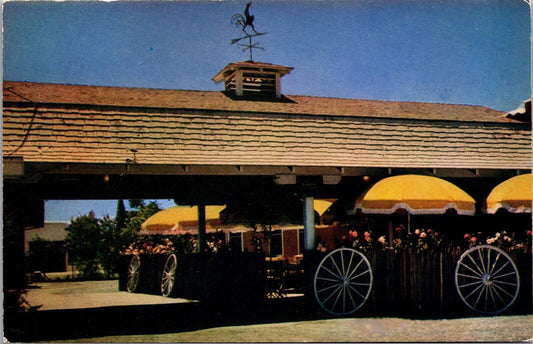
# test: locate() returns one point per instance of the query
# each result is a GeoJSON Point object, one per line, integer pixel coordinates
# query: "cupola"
{"type": "Point", "coordinates": [252, 80]}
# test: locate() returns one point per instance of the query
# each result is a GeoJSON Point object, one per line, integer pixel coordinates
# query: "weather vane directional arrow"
{"type": "Point", "coordinates": [243, 22]}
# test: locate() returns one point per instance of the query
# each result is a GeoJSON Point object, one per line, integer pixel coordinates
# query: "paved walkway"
{"type": "Point", "coordinates": [89, 294]}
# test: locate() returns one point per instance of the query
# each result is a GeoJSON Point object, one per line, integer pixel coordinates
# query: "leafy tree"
{"type": "Point", "coordinates": [96, 243]}
{"type": "Point", "coordinates": [136, 203]}
{"type": "Point", "coordinates": [84, 242]}
{"type": "Point", "coordinates": [109, 247]}
{"type": "Point", "coordinates": [134, 220]}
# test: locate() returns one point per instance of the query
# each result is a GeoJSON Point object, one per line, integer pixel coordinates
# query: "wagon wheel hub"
{"type": "Point", "coordinates": [487, 279]}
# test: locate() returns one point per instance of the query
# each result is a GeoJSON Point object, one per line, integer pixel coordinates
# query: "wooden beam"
{"type": "Point", "coordinates": [257, 170]}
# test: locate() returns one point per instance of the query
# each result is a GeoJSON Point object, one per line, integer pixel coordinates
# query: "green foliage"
{"type": "Point", "coordinates": [95, 243]}
{"type": "Point", "coordinates": [134, 220]}
{"type": "Point", "coordinates": [45, 255]}
{"type": "Point", "coordinates": [84, 241]}
{"type": "Point", "coordinates": [109, 245]}
{"type": "Point", "coordinates": [120, 217]}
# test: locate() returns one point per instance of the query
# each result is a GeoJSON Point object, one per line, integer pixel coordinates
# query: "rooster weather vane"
{"type": "Point", "coordinates": [243, 22]}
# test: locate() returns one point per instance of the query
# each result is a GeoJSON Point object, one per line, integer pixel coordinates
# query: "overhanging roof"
{"type": "Point", "coordinates": [177, 130]}
{"type": "Point", "coordinates": [61, 94]}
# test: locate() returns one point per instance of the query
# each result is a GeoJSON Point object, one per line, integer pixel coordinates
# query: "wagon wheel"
{"type": "Point", "coordinates": [134, 270]}
{"type": "Point", "coordinates": [343, 281]}
{"type": "Point", "coordinates": [487, 279]}
{"type": "Point", "coordinates": [169, 275]}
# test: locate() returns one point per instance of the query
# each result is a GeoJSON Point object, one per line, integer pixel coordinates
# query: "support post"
{"type": "Point", "coordinates": [309, 224]}
{"type": "Point", "coordinates": [202, 243]}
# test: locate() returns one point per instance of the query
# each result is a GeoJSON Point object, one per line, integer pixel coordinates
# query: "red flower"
{"type": "Point", "coordinates": [429, 231]}
{"type": "Point", "coordinates": [398, 229]}
{"type": "Point", "coordinates": [529, 233]}
{"type": "Point", "coordinates": [473, 239]}
{"type": "Point", "coordinates": [436, 234]}
{"type": "Point", "coordinates": [467, 236]}
{"type": "Point", "coordinates": [353, 234]}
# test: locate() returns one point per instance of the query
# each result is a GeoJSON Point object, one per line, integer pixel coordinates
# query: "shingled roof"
{"type": "Point", "coordinates": [101, 125]}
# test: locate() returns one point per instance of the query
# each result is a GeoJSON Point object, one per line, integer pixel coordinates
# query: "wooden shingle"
{"type": "Point", "coordinates": [94, 125]}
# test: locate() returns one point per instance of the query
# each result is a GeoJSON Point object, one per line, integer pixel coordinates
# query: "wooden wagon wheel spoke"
{"type": "Point", "coordinates": [498, 294]}
{"type": "Point", "coordinates": [359, 275]}
{"type": "Point", "coordinates": [475, 265]}
{"type": "Point", "coordinates": [357, 291]}
{"type": "Point", "coordinates": [343, 281]}
{"type": "Point", "coordinates": [169, 275]}
{"type": "Point", "coordinates": [495, 277]}
{"type": "Point", "coordinates": [340, 274]}
{"type": "Point", "coordinates": [333, 293]}
{"type": "Point", "coordinates": [328, 279]}
{"type": "Point", "coordinates": [495, 263]}
{"type": "Point", "coordinates": [331, 272]}
{"type": "Point", "coordinates": [355, 269]}
{"type": "Point", "coordinates": [471, 284]}
{"type": "Point", "coordinates": [477, 273]}
{"type": "Point", "coordinates": [496, 282]}
{"type": "Point", "coordinates": [482, 262]}
{"type": "Point", "coordinates": [501, 268]}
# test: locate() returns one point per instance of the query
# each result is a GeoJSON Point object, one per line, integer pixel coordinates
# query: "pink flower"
{"type": "Point", "coordinates": [429, 231]}
{"type": "Point", "coordinates": [381, 239]}
{"type": "Point", "coordinates": [417, 231]}
{"type": "Point", "coordinates": [422, 235]}
{"type": "Point", "coordinates": [353, 234]}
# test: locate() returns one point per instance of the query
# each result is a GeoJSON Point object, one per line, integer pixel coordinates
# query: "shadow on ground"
{"type": "Point", "coordinates": [183, 317]}
{"type": "Point", "coordinates": [152, 319]}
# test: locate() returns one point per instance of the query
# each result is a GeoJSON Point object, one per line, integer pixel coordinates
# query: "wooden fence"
{"type": "Point", "coordinates": [405, 282]}
{"type": "Point", "coordinates": [423, 283]}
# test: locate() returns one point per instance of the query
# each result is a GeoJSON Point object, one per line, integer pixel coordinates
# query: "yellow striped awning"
{"type": "Point", "coordinates": [417, 194]}
{"type": "Point", "coordinates": [513, 195]}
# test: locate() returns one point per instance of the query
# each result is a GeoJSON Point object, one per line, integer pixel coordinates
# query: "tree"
{"type": "Point", "coordinates": [134, 220]}
{"type": "Point", "coordinates": [121, 215]}
{"type": "Point", "coordinates": [84, 241]}
{"type": "Point", "coordinates": [109, 247]}
{"type": "Point", "coordinates": [95, 243]}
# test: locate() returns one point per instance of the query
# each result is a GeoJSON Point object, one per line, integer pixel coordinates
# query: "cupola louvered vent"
{"type": "Point", "coordinates": [252, 79]}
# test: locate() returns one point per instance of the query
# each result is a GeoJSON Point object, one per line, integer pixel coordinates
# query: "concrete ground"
{"type": "Point", "coordinates": [89, 294]}
{"type": "Point", "coordinates": [95, 311]}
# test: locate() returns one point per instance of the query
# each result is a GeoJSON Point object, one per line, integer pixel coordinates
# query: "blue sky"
{"type": "Point", "coordinates": [65, 210]}
{"type": "Point", "coordinates": [453, 51]}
